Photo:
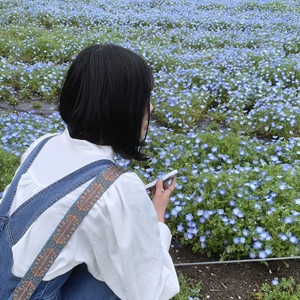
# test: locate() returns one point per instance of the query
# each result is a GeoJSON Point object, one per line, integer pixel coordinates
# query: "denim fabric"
{"type": "Point", "coordinates": [79, 283]}
{"type": "Point", "coordinates": [82, 285]}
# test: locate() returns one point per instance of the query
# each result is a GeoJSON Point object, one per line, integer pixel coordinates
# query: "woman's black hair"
{"type": "Point", "coordinates": [105, 96]}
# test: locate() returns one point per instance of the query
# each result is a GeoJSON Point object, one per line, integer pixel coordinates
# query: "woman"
{"type": "Point", "coordinates": [120, 250]}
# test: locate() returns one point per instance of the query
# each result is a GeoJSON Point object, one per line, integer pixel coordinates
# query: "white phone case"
{"type": "Point", "coordinates": [166, 177]}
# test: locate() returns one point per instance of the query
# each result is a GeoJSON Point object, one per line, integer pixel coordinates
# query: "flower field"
{"type": "Point", "coordinates": [226, 98]}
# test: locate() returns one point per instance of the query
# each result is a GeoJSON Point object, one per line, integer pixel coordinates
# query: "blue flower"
{"type": "Point", "coordinates": [220, 211]}
{"type": "Point", "coordinates": [268, 251]}
{"type": "Point", "coordinates": [202, 239]}
{"type": "Point", "coordinates": [293, 239]}
{"type": "Point", "coordinates": [202, 220]}
{"type": "Point", "coordinates": [189, 217]}
{"type": "Point", "coordinates": [259, 229]}
{"type": "Point", "coordinates": [214, 149]}
{"type": "Point", "coordinates": [282, 186]}
{"type": "Point", "coordinates": [245, 232]}
{"type": "Point", "coordinates": [283, 237]}
{"type": "Point", "coordinates": [180, 227]}
{"type": "Point", "coordinates": [206, 215]}
{"type": "Point", "coordinates": [236, 240]}
{"type": "Point", "coordinates": [275, 282]}
{"type": "Point", "coordinates": [288, 220]}
{"type": "Point", "coordinates": [188, 235]}
{"type": "Point", "coordinates": [222, 192]}
{"type": "Point", "coordinates": [257, 245]}
{"type": "Point", "coordinates": [262, 254]}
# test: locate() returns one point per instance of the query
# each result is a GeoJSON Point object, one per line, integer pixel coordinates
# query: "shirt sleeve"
{"type": "Point", "coordinates": [137, 265]}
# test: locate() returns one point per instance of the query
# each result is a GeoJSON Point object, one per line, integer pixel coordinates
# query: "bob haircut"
{"type": "Point", "coordinates": [105, 96]}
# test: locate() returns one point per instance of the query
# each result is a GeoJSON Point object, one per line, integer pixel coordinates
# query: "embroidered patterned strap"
{"type": "Point", "coordinates": [63, 232]}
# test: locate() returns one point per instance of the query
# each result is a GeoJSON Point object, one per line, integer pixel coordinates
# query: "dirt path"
{"type": "Point", "coordinates": [232, 281]}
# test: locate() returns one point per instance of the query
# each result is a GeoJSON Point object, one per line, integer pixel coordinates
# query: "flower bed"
{"type": "Point", "coordinates": [233, 63]}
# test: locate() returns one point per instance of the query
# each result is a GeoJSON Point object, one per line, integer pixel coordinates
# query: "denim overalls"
{"type": "Point", "coordinates": [75, 284]}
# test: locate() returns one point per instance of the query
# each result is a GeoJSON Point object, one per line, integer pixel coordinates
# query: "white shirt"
{"type": "Point", "coordinates": [120, 239]}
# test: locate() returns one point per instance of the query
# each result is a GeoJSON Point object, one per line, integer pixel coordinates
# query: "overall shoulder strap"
{"type": "Point", "coordinates": [10, 194]}
{"type": "Point", "coordinates": [64, 231]}
{"type": "Point", "coordinates": [22, 218]}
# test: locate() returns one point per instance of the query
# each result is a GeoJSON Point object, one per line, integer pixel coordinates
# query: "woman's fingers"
{"type": "Point", "coordinates": [159, 187]}
{"type": "Point", "coordinates": [170, 187]}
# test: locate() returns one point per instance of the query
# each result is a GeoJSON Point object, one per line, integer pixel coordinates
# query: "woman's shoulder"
{"type": "Point", "coordinates": [130, 180]}
{"type": "Point", "coordinates": [128, 189]}
{"type": "Point", "coordinates": [35, 143]}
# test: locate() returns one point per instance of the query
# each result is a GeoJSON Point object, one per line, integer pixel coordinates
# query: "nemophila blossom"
{"type": "Point", "coordinates": [265, 236]}
{"type": "Point", "coordinates": [189, 217]}
{"type": "Point", "coordinates": [236, 240]}
{"type": "Point", "coordinates": [288, 220]}
{"type": "Point", "coordinates": [257, 206]}
{"type": "Point", "coordinates": [269, 201]}
{"type": "Point", "coordinates": [268, 251]}
{"type": "Point", "coordinates": [282, 186]}
{"type": "Point", "coordinates": [220, 211]}
{"type": "Point", "coordinates": [257, 245]}
{"type": "Point", "coordinates": [167, 216]}
{"type": "Point", "coordinates": [252, 254]}
{"type": "Point", "coordinates": [188, 235]}
{"type": "Point", "coordinates": [214, 149]}
{"type": "Point", "coordinates": [176, 210]}
{"type": "Point", "coordinates": [242, 240]}
{"type": "Point", "coordinates": [242, 152]}
{"type": "Point", "coordinates": [194, 172]}
{"type": "Point", "coordinates": [202, 220]}
{"type": "Point", "coordinates": [245, 232]}
{"type": "Point", "coordinates": [275, 281]}
{"type": "Point", "coordinates": [283, 237]}
{"type": "Point", "coordinates": [259, 229]}
{"type": "Point", "coordinates": [206, 215]}
{"type": "Point", "coordinates": [295, 213]}
{"type": "Point", "coordinates": [232, 221]}
{"type": "Point", "coordinates": [202, 238]}
{"type": "Point", "coordinates": [192, 224]}
{"type": "Point", "coordinates": [222, 192]}
{"type": "Point", "coordinates": [293, 240]}
{"type": "Point", "coordinates": [238, 213]}
{"type": "Point", "coordinates": [180, 227]}
{"type": "Point", "coordinates": [225, 220]}
{"type": "Point", "coordinates": [262, 254]}
{"type": "Point", "coordinates": [200, 212]}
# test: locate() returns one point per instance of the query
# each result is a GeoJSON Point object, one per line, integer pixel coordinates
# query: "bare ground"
{"type": "Point", "coordinates": [232, 281]}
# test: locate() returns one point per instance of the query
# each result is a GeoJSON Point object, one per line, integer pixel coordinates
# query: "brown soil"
{"type": "Point", "coordinates": [232, 281]}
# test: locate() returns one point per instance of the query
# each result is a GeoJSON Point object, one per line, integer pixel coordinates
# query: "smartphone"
{"type": "Point", "coordinates": [166, 177]}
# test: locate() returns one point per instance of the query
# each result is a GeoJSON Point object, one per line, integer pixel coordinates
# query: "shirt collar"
{"type": "Point", "coordinates": [84, 147]}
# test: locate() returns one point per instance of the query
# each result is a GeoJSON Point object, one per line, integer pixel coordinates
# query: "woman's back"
{"type": "Point", "coordinates": [119, 236]}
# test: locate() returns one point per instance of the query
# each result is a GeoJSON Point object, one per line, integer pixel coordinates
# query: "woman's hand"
{"type": "Point", "coordinates": [162, 192]}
